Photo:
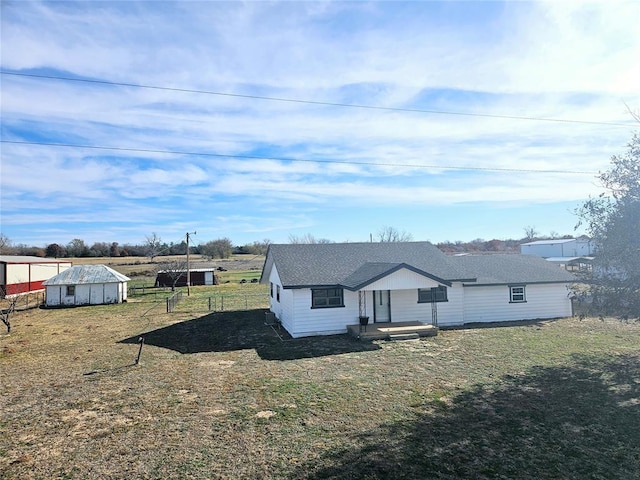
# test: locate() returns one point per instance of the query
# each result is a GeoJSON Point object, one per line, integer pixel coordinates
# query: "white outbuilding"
{"type": "Point", "coordinates": [86, 285]}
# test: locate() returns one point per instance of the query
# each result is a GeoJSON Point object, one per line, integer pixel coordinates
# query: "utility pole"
{"type": "Point", "coordinates": [188, 271]}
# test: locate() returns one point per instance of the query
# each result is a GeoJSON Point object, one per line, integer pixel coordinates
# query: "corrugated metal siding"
{"type": "Point", "coordinates": [88, 294]}
{"type": "Point", "coordinates": [28, 277]}
{"type": "Point", "coordinates": [53, 295]}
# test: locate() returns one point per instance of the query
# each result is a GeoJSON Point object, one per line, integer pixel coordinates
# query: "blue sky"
{"type": "Point", "coordinates": [335, 172]}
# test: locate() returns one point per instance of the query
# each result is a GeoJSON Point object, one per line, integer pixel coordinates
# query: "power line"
{"type": "Point", "coordinates": [313, 102]}
{"type": "Point", "coordinates": [297, 160]}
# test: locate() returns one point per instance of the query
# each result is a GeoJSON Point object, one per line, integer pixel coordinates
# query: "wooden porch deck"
{"type": "Point", "coordinates": [392, 331]}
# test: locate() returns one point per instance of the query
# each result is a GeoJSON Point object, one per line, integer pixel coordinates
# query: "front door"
{"type": "Point", "coordinates": [381, 306]}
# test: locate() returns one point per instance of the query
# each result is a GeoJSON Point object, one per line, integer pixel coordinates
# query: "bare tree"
{"type": "Point", "coordinates": [307, 238]}
{"type": "Point", "coordinates": [5, 313]}
{"type": "Point", "coordinates": [5, 243]}
{"type": "Point", "coordinates": [220, 248]}
{"type": "Point", "coordinates": [392, 234]}
{"type": "Point", "coordinates": [530, 233]}
{"type": "Point", "coordinates": [77, 248]}
{"type": "Point", "coordinates": [634, 113]}
{"type": "Point", "coordinates": [175, 270]}
{"type": "Point", "coordinates": [259, 247]}
{"type": "Point", "coordinates": [153, 245]}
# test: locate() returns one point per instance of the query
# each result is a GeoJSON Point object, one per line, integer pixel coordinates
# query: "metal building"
{"type": "Point", "coordinates": [86, 285]}
{"type": "Point", "coordinates": [24, 274]}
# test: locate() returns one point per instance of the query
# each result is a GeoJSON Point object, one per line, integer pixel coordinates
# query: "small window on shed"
{"type": "Point", "coordinates": [71, 290]}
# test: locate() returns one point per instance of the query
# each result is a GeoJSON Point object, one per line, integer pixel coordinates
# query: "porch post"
{"type": "Point", "coordinates": [362, 303]}
{"type": "Point", "coordinates": [362, 310]}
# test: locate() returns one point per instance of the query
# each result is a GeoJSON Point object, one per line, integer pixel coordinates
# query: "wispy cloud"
{"type": "Point", "coordinates": [536, 59]}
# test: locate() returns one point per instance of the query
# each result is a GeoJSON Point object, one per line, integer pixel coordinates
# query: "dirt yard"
{"type": "Point", "coordinates": [223, 396]}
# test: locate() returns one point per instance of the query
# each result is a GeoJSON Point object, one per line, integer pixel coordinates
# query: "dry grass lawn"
{"type": "Point", "coordinates": [223, 396]}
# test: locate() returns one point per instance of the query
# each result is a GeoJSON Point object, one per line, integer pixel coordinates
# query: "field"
{"type": "Point", "coordinates": [221, 395]}
{"type": "Point", "coordinates": [142, 268]}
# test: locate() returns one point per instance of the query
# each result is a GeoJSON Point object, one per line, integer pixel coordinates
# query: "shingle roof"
{"type": "Point", "coordinates": [354, 265]}
{"type": "Point", "coordinates": [85, 274]}
{"type": "Point", "coordinates": [509, 269]}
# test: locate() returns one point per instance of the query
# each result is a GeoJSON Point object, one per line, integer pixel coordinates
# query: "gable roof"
{"type": "Point", "coordinates": [354, 265]}
{"type": "Point", "coordinates": [511, 269]}
{"type": "Point", "coordinates": [86, 274]}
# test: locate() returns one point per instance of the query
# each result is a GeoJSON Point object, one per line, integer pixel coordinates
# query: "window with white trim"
{"type": "Point", "coordinates": [432, 295]}
{"type": "Point", "coordinates": [71, 290]}
{"type": "Point", "coordinates": [278, 293]}
{"type": "Point", "coordinates": [517, 294]}
{"type": "Point", "coordinates": [271, 288]}
{"type": "Point", "coordinates": [327, 297]}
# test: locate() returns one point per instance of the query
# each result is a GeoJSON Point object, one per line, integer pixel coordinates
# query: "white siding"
{"type": "Point", "coordinates": [405, 307]}
{"type": "Point", "coordinates": [53, 295]}
{"type": "Point", "coordinates": [322, 321]}
{"type": "Point", "coordinates": [491, 303]}
{"type": "Point", "coordinates": [283, 308]}
{"type": "Point", "coordinates": [401, 280]}
{"type": "Point", "coordinates": [87, 294]}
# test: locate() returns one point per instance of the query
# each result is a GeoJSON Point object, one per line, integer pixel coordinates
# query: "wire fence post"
{"type": "Point", "coordinates": [141, 342]}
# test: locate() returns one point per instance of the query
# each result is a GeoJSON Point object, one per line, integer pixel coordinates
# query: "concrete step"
{"type": "Point", "coordinates": [403, 336]}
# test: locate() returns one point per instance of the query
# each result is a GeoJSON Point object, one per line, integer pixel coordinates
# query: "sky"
{"type": "Point", "coordinates": [266, 120]}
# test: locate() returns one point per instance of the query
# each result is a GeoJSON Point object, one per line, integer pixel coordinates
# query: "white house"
{"type": "Point", "coordinates": [24, 274]}
{"type": "Point", "coordinates": [320, 289]}
{"type": "Point", "coordinates": [561, 247]}
{"type": "Point", "coordinates": [86, 285]}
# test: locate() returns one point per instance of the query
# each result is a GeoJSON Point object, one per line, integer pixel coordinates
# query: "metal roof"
{"type": "Point", "coordinates": [29, 259]}
{"type": "Point", "coordinates": [551, 242]}
{"type": "Point", "coordinates": [568, 259]}
{"type": "Point", "coordinates": [87, 274]}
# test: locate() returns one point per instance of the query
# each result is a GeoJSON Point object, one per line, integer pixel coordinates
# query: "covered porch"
{"type": "Point", "coordinates": [392, 331]}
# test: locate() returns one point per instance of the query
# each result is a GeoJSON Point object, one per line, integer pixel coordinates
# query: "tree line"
{"type": "Point", "coordinates": [152, 247]}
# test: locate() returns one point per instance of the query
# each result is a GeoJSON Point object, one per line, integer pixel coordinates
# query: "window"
{"type": "Point", "coordinates": [516, 294]}
{"type": "Point", "coordinates": [71, 290]}
{"type": "Point", "coordinates": [327, 298]}
{"type": "Point", "coordinates": [271, 286]}
{"type": "Point", "coordinates": [278, 292]}
{"type": "Point", "coordinates": [431, 295]}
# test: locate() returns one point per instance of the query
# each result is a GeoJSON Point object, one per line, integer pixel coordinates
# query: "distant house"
{"type": "Point", "coordinates": [198, 276]}
{"type": "Point", "coordinates": [559, 248]}
{"type": "Point", "coordinates": [320, 289]}
{"type": "Point", "coordinates": [24, 274]}
{"type": "Point", "coordinates": [86, 285]}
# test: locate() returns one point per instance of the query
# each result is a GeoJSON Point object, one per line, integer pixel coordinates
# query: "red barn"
{"type": "Point", "coordinates": [24, 274]}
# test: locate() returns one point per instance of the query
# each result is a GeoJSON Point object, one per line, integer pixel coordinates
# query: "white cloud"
{"type": "Point", "coordinates": [535, 59]}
